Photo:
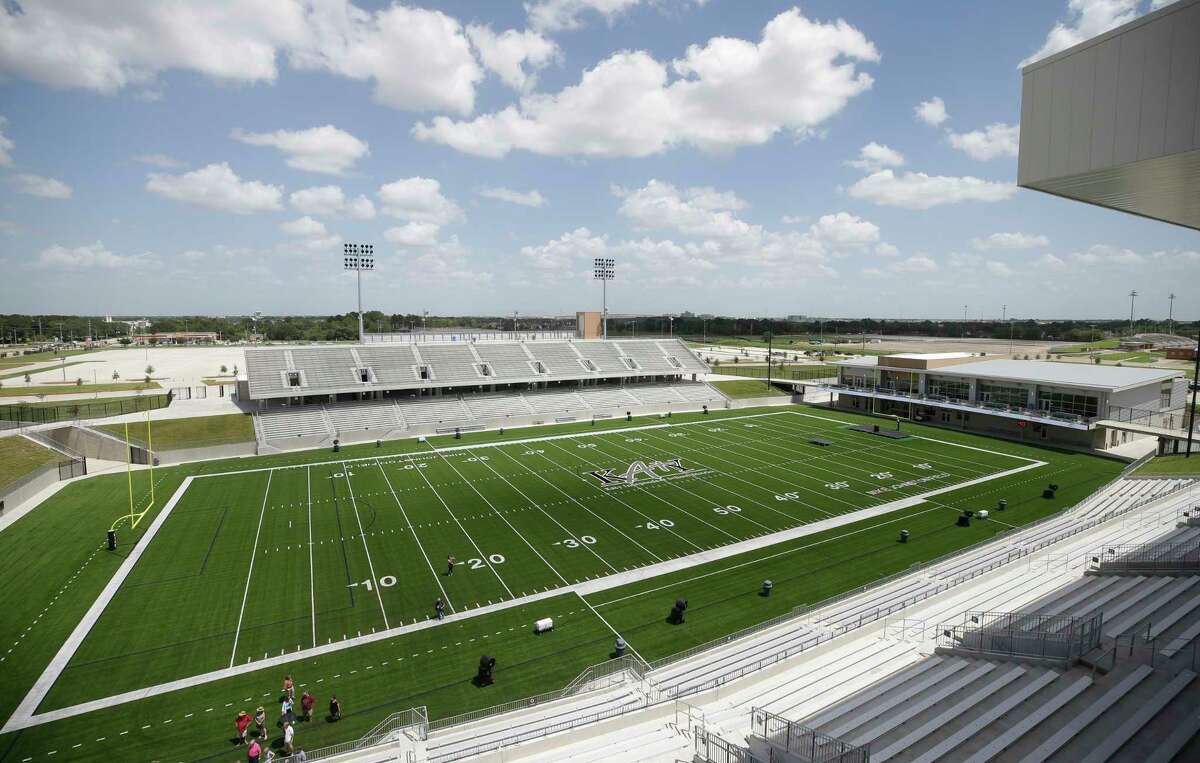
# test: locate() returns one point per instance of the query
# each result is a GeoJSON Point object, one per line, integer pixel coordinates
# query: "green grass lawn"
{"type": "Point", "coordinates": [39, 357]}
{"type": "Point", "coordinates": [1101, 344]}
{"type": "Point", "coordinates": [1172, 465]}
{"type": "Point", "coordinates": [70, 388]}
{"type": "Point", "coordinates": [172, 434]}
{"type": "Point", "coordinates": [748, 388]}
{"type": "Point", "coordinates": [759, 371]}
{"type": "Point", "coordinates": [19, 456]}
{"type": "Point", "coordinates": [519, 516]}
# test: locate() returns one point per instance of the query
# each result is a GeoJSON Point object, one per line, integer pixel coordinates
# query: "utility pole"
{"type": "Point", "coordinates": [1195, 387]}
{"type": "Point", "coordinates": [770, 340]}
{"type": "Point", "coordinates": [1132, 297]}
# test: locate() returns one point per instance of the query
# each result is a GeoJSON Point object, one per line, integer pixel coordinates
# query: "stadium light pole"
{"type": "Point", "coordinates": [359, 257]}
{"type": "Point", "coordinates": [1132, 297]}
{"type": "Point", "coordinates": [603, 269]}
{"type": "Point", "coordinates": [1171, 314]}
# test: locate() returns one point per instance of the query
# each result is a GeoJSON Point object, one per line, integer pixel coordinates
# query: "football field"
{"type": "Point", "coordinates": [265, 562]}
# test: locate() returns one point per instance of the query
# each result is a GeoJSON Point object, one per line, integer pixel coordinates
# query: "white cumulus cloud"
{"type": "Point", "coordinates": [304, 226]}
{"type": "Point", "coordinates": [931, 112]}
{"type": "Point", "coordinates": [876, 156]}
{"type": "Point", "coordinates": [514, 56]}
{"type": "Point", "coordinates": [524, 198]}
{"type": "Point", "coordinates": [560, 15]}
{"type": "Point", "coordinates": [6, 145]}
{"type": "Point", "coordinates": [325, 149]}
{"type": "Point", "coordinates": [845, 229]}
{"type": "Point", "coordinates": [991, 142]}
{"type": "Point", "coordinates": [1011, 241]}
{"type": "Point", "coordinates": [419, 199]}
{"type": "Point", "coordinates": [413, 234]}
{"type": "Point", "coordinates": [331, 201]}
{"type": "Point", "coordinates": [216, 186]}
{"type": "Point", "coordinates": [918, 264]}
{"type": "Point", "coordinates": [91, 257]}
{"type": "Point", "coordinates": [916, 190]}
{"type": "Point", "coordinates": [719, 96]}
{"type": "Point", "coordinates": [159, 160]}
{"type": "Point", "coordinates": [1085, 19]}
{"type": "Point", "coordinates": [44, 187]}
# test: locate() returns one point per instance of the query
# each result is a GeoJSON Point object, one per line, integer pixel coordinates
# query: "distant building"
{"type": "Point", "coordinates": [1181, 353]}
{"type": "Point", "coordinates": [176, 337]}
{"type": "Point", "coordinates": [1032, 400]}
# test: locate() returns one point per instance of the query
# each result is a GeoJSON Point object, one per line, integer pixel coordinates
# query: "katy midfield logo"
{"type": "Point", "coordinates": [640, 470]}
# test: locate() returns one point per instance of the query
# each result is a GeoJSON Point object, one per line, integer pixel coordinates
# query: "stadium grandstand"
{"type": "Point", "coordinates": [310, 396]}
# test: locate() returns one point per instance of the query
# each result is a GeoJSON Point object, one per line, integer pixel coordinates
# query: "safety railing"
{"type": "Point", "coordinates": [599, 676]}
{"type": "Point", "coordinates": [711, 748]}
{"type": "Point", "coordinates": [407, 725]}
{"type": "Point", "coordinates": [1160, 557]}
{"type": "Point", "coordinates": [804, 742]}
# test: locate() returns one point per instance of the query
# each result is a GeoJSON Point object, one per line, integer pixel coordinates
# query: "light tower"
{"type": "Point", "coordinates": [1171, 314]}
{"type": "Point", "coordinates": [603, 269]}
{"type": "Point", "coordinates": [359, 257]}
{"type": "Point", "coordinates": [1132, 297]}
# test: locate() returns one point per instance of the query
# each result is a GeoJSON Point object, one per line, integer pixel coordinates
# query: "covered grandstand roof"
{"type": "Point", "coordinates": [336, 369]}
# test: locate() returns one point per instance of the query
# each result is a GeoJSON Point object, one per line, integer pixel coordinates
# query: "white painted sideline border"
{"type": "Point", "coordinates": [23, 717]}
{"type": "Point", "coordinates": [59, 663]}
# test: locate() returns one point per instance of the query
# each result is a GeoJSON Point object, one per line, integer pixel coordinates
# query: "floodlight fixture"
{"type": "Point", "coordinates": [359, 257]}
{"type": "Point", "coordinates": [603, 270]}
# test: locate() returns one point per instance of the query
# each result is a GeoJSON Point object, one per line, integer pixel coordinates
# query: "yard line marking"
{"type": "Point", "coordinates": [613, 496]}
{"type": "Point", "coordinates": [370, 564]}
{"type": "Point", "coordinates": [482, 555]}
{"type": "Point", "coordinates": [577, 502]}
{"type": "Point", "coordinates": [437, 578]}
{"type": "Point", "coordinates": [510, 525]}
{"type": "Point", "coordinates": [312, 589]}
{"type": "Point", "coordinates": [253, 554]}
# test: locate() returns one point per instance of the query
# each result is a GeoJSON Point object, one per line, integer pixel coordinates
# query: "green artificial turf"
{"type": "Point", "coordinates": [520, 517]}
{"type": "Point", "coordinates": [70, 388]}
{"type": "Point", "coordinates": [200, 431]}
{"type": "Point", "coordinates": [19, 456]}
{"type": "Point", "coordinates": [1172, 465]}
{"type": "Point", "coordinates": [748, 388]}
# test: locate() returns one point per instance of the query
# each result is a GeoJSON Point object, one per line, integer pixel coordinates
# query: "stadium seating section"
{"type": "Point", "coordinates": [338, 370]}
{"type": "Point", "coordinates": [395, 416]}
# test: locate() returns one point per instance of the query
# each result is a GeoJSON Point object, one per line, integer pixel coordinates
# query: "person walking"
{"type": "Point", "coordinates": [286, 715]}
{"type": "Point", "coordinates": [254, 752]}
{"type": "Point", "coordinates": [289, 734]}
{"type": "Point", "coordinates": [335, 708]}
{"type": "Point", "coordinates": [260, 723]}
{"type": "Point", "coordinates": [450, 565]}
{"type": "Point", "coordinates": [242, 722]}
{"type": "Point", "coordinates": [289, 688]}
{"type": "Point", "coordinates": [439, 608]}
{"type": "Point", "coordinates": [306, 705]}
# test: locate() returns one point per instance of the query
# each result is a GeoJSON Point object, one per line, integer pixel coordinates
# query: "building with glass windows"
{"type": "Point", "coordinates": [1067, 403]}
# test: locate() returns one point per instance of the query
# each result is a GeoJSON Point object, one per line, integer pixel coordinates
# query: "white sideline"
{"type": "Point", "coordinates": [24, 718]}
{"type": "Point", "coordinates": [58, 664]}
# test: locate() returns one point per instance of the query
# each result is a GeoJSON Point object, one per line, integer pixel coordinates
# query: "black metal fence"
{"type": "Point", "coordinates": [782, 373]}
{"type": "Point", "coordinates": [1053, 637]}
{"type": "Point", "coordinates": [23, 413]}
{"type": "Point", "coordinates": [1160, 557]}
{"type": "Point", "coordinates": [73, 467]}
{"type": "Point", "coordinates": [803, 742]}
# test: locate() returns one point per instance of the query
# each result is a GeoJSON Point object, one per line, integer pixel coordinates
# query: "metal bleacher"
{"type": "Point", "coordinates": [649, 357]}
{"type": "Point", "coordinates": [391, 364]}
{"type": "Point", "coordinates": [325, 367]}
{"type": "Point", "coordinates": [559, 358]}
{"type": "Point", "coordinates": [604, 355]}
{"type": "Point", "coordinates": [508, 361]}
{"type": "Point", "coordinates": [452, 363]}
{"type": "Point", "coordinates": [264, 371]}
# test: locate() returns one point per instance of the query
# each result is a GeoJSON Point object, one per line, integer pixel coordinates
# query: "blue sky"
{"type": "Point", "coordinates": [734, 156]}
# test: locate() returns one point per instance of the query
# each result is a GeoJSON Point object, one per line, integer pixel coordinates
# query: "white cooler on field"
{"type": "Point", "coordinates": [543, 625]}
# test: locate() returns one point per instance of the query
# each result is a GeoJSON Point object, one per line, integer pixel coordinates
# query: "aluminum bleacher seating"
{"type": "Point", "coordinates": [559, 358]}
{"type": "Point", "coordinates": [649, 356]}
{"type": "Point", "coordinates": [263, 370]}
{"type": "Point", "coordinates": [435, 410]}
{"type": "Point", "coordinates": [607, 398]}
{"type": "Point", "coordinates": [604, 355]}
{"type": "Point", "coordinates": [452, 363]}
{"type": "Point", "coordinates": [289, 423]}
{"type": "Point", "coordinates": [555, 402]}
{"type": "Point", "coordinates": [326, 367]}
{"type": "Point", "coordinates": [371, 415]}
{"type": "Point", "coordinates": [655, 394]}
{"type": "Point", "coordinates": [508, 361]}
{"type": "Point", "coordinates": [498, 407]}
{"type": "Point", "coordinates": [678, 350]}
{"type": "Point", "coordinates": [392, 364]}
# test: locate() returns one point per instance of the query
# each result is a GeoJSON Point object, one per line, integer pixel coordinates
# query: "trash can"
{"type": "Point", "coordinates": [904, 536]}
{"type": "Point", "coordinates": [112, 540]}
{"type": "Point", "coordinates": [766, 587]}
{"type": "Point", "coordinates": [1001, 505]}
{"type": "Point", "coordinates": [619, 647]}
